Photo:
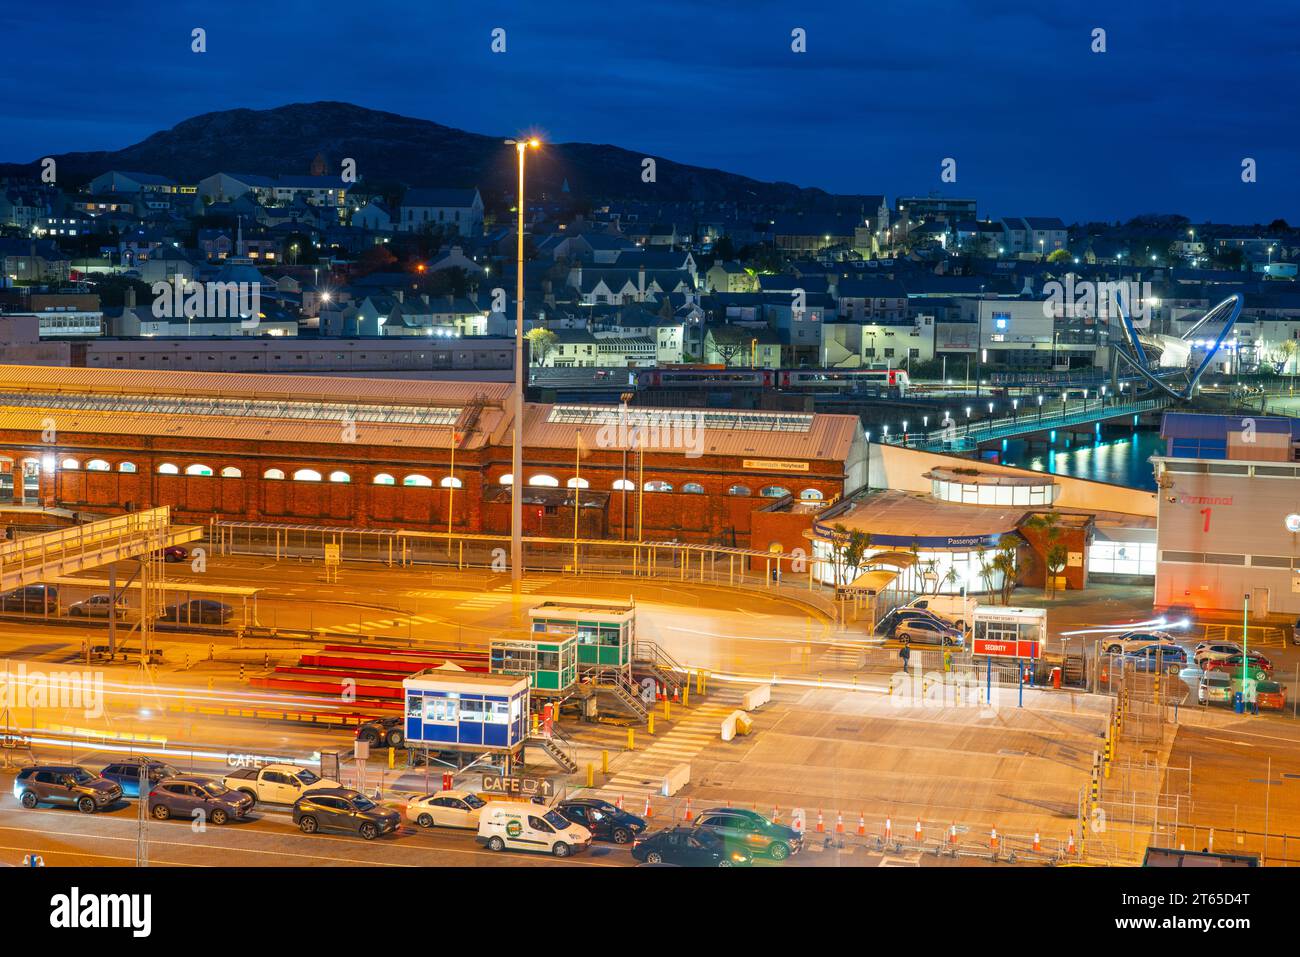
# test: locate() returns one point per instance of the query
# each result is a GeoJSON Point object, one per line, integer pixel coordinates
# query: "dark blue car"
{"type": "Point", "coordinates": [126, 774]}
{"type": "Point", "coordinates": [604, 820]}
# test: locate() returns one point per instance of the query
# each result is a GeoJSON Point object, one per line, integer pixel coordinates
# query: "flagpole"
{"type": "Point", "coordinates": [577, 491]}
{"type": "Point", "coordinates": [640, 495]}
{"type": "Point", "coordinates": [451, 488]}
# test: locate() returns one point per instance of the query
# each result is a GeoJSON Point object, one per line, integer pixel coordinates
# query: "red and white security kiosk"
{"type": "Point", "coordinates": [1005, 632]}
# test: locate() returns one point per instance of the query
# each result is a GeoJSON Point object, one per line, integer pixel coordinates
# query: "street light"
{"type": "Point", "coordinates": [517, 443]}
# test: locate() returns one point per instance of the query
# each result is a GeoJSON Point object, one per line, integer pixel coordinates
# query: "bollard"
{"type": "Point", "coordinates": [604, 767]}
{"type": "Point", "coordinates": [241, 671]}
{"type": "Point", "coordinates": [631, 740]}
{"type": "Point", "coordinates": [535, 728]}
{"type": "Point", "coordinates": [650, 723]}
{"type": "Point", "coordinates": [392, 756]}
{"type": "Point", "coordinates": [591, 774]}
{"type": "Point", "coordinates": [212, 650]}
{"type": "Point", "coordinates": [668, 709]}
{"type": "Point", "coordinates": [686, 694]}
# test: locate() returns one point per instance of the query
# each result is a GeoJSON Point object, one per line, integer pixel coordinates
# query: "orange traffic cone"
{"type": "Point", "coordinates": [688, 815]}
{"type": "Point", "coordinates": [993, 839]}
{"type": "Point", "coordinates": [839, 823]}
{"type": "Point", "coordinates": [862, 824]}
{"type": "Point", "coordinates": [821, 825]}
{"type": "Point", "coordinates": [889, 830]}
{"type": "Point", "coordinates": [649, 812]}
{"type": "Point", "coordinates": [952, 833]}
{"type": "Point", "coordinates": [619, 803]}
{"type": "Point", "coordinates": [776, 814]}
{"type": "Point", "coordinates": [918, 830]}
{"type": "Point", "coordinates": [1069, 849]}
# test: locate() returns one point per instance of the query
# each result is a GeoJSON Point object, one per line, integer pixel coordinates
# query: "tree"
{"type": "Point", "coordinates": [848, 550]}
{"type": "Point", "coordinates": [541, 343]}
{"type": "Point", "coordinates": [1005, 562]}
{"type": "Point", "coordinates": [1056, 557]}
{"type": "Point", "coordinates": [1058, 256]}
{"type": "Point", "coordinates": [374, 259]}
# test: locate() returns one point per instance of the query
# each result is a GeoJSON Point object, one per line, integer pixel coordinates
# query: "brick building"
{"type": "Point", "coordinates": [388, 453]}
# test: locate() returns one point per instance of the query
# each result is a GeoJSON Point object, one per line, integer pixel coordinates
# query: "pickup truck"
{"type": "Point", "coordinates": [277, 783]}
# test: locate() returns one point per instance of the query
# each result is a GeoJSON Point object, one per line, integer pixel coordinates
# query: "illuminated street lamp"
{"type": "Point", "coordinates": [517, 446]}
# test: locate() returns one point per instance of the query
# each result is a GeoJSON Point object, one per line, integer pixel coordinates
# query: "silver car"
{"type": "Point", "coordinates": [96, 606]}
{"type": "Point", "coordinates": [65, 784]}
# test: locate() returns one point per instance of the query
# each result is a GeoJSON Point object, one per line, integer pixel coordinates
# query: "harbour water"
{"type": "Point", "coordinates": [1117, 461]}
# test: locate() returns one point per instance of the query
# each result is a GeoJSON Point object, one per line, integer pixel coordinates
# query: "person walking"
{"type": "Point", "coordinates": [1252, 695]}
{"type": "Point", "coordinates": [905, 653]}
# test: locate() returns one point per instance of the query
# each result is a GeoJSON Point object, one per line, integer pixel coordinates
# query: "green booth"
{"type": "Point", "coordinates": [549, 663]}
{"type": "Point", "coordinates": [604, 633]}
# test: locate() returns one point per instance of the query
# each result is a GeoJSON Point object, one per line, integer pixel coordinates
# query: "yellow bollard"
{"type": "Point", "coordinates": [534, 722]}
{"type": "Point", "coordinates": [686, 695]}
{"type": "Point", "coordinates": [650, 723]}
{"type": "Point", "coordinates": [668, 709]}
{"type": "Point", "coordinates": [392, 755]}
{"type": "Point", "coordinates": [604, 762]}
{"type": "Point", "coordinates": [591, 774]}
{"type": "Point", "coordinates": [631, 740]}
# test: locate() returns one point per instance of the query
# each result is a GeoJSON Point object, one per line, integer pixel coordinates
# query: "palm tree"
{"type": "Point", "coordinates": [1049, 524]}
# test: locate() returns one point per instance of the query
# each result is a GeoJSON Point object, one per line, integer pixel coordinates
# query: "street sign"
{"type": "Point", "coordinates": [361, 750]}
{"type": "Point", "coordinates": [333, 554]}
{"type": "Point", "coordinates": [520, 786]}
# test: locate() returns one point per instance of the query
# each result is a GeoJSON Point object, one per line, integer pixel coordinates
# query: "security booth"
{"type": "Point", "coordinates": [605, 633]}
{"type": "Point", "coordinates": [549, 664]}
{"type": "Point", "coordinates": [466, 711]}
{"type": "Point", "coordinates": [1000, 631]}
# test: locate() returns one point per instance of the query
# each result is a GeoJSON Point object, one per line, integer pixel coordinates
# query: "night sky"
{"type": "Point", "coordinates": [1038, 124]}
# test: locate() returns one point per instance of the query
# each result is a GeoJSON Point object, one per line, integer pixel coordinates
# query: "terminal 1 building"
{"type": "Point", "coordinates": [1229, 513]}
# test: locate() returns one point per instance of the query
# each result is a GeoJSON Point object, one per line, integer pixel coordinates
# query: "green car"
{"type": "Point", "coordinates": [747, 829]}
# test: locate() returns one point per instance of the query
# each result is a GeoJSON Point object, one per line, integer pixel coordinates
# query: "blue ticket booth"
{"type": "Point", "coordinates": [460, 710]}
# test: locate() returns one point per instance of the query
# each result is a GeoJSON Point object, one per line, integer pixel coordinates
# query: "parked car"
{"type": "Point", "coordinates": [445, 809]}
{"type": "Point", "coordinates": [1271, 695]}
{"type": "Point", "coordinates": [1257, 666]}
{"type": "Point", "coordinates": [31, 599]}
{"type": "Point", "coordinates": [739, 827]}
{"type": "Point", "coordinates": [1215, 687]}
{"type": "Point", "coordinates": [524, 826]}
{"type": "Point", "coordinates": [1220, 687]}
{"type": "Point", "coordinates": [923, 631]}
{"type": "Point", "coordinates": [1152, 658]}
{"type": "Point", "coordinates": [688, 847]}
{"type": "Point", "coordinates": [97, 606]}
{"type": "Point", "coordinates": [957, 609]}
{"type": "Point", "coordinates": [126, 774]}
{"type": "Point", "coordinates": [199, 611]}
{"type": "Point", "coordinates": [1214, 651]}
{"type": "Point", "coordinates": [343, 809]}
{"type": "Point", "coordinates": [175, 553]}
{"type": "Point", "coordinates": [188, 794]}
{"type": "Point", "coordinates": [278, 783]}
{"type": "Point", "coordinates": [1133, 640]}
{"type": "Point", "coordinates": [605, 821]}
{"type": "Point", "coordinates": [68, 785]}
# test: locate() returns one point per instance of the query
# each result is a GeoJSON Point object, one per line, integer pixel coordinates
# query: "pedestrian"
{"type": "Point", "coordinates": [905, 652]}
{"type": "Point", "coordinates": [1252, 697]}
{"type": "Point", "coordinates": [947, 660]}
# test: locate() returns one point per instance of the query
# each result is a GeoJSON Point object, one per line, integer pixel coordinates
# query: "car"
{"type": "Point", "coordinates": [343, 809]}
{"type": "Point", "coordinates": [605, 821]}
{"type": "Point", "coordinates": [747, 829]}
{"type": "Point", "coordinates": [1257, 666]}
{"type": "Point", "coordinates": [957, 609]}
{"type": "Point", "coordinates": [923, 631]}
{"type": "Point", "coordinates": [175, 553]}
{"type": "Point", "coordinates": [197, 797]}
{"type": "Point", "coordinates": [524, 826]}
{"type": "Point", "coordinates": [1133, 640]}
{"type": "Point", "coordinates": [890, 625]}
{"type": "Point", "coordinates": [65, 784]}
{"type": "Point", "coordinates": [1271, 695]}
{"type": "Point", "coordinates": [445, 809]}
{"type": "Point", "coordinates": [278, 783]}
{"type": "Point", "coordinates": [31, 598]}
{"type": "Point", "coordinates": [382, 731]}
{"type": "Point", "coordinates": [199, 611]}
{"type": "Point", "coordinates": [97, 606]}
{"type": "Point", "coordinates": [126, 774]}
{"type": "Point", "coordinates": [688, 847]}
{"type": "Point", "coordinates": [1214, 651]}
{"type": "Point", "coordinates": [1215, 687]}
{"type": "Point", "coordinates": [1221, 687]}
{"type": "Point", "coordinates": [1152, 658]}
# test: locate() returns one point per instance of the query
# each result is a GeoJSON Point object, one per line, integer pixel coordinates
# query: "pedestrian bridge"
{"type": "Point", "coordinates": [972, 435]}
{"type": "Point", "coordinates": [66, 551]}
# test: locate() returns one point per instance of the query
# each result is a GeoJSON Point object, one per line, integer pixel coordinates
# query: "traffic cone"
{"type": "Point", "coordinates": [889, 830]}
{"type": "Point", "coordinates": [797, 824]}
{"type": "Point", "coordinates": [776, 814]}
{"type": "Point", "coordinates": [688, 815]}
{"type": "Point", "coordinates": [839, 823]}
{"type": "Point", "coordinates": [821, 825]}
{"type": "Point", "coordinates": [619, 803]}
{"type": "Point", "coordinates": [993, 839]}
{"type": "Point", "coordinates": [862, 825]}
{"type": "Point", "coordinates": [1037, 845]}
{"type": "Point", "coordinates": [1069, 849]}
{"type": "Point", "coordinates": [952, 833]}
{"type": "Point", "coordinates": [649, 812]}
{"type": "Point", "coordinates": [918, 830]}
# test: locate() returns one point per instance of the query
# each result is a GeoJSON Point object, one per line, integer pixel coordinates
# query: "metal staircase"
{"type": "Point", "coordinates": [651, 659]}
{"type": "Point", "coordinates": [617, 684]}
{"type": "Point", "coordinates": [559, 748]}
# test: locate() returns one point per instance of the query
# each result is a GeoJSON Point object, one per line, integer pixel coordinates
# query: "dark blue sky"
{"type": "Point", "coordinates": [1038, 124]}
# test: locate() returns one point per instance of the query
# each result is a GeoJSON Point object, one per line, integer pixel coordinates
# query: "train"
{"type": "Point", "coordinates": [891, 382]}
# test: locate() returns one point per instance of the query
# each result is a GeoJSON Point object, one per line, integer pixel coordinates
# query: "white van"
{"type": "Point", "coordinates": [529, 827]}
{"type": "Point", "coordinates": [960, 611]}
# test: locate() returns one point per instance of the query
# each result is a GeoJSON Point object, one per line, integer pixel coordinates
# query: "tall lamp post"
{"type": "Point", "coordinates": [517, 443]}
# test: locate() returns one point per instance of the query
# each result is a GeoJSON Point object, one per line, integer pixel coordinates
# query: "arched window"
{"type": "Point", "coordinates": [506, 479]}
{"type": "Point", "coordinates": [544, 481]}
{"type": "Point", "coordinates": [231, 472]}
{"type": "Point", "coordinates": [340, 477]}
{"type": "Point", "coordinates": [168, 469]}
{"type": "Point", "coordinates": [811, 495]}
{"type": "Point", "coordinates": [383, 478]}
{"type": "Point", "coordinates": [577, 483]}
{"type": "Point", "coordinates": [276, 474]}
{"type": "Point", "coordinates": [658, 486]}
{"type": "Point", "coordinates": [197, 469]}
{"type": "Point", "coordinates": [98, 465]}
{"type": "Point", "coordinates": [422, 481]}
{"type": "Point", "coordinates": [773, 491]}
{"type": "Point", "coordinates": [126, 467]}
{"type": "Point", "coordinates": [693, 488]}
{"type": "Point", "coordinates": [739, 490]}
{"type": "Point", "coordinates": [623, 485]}
{"type": "Point", "coordinates": [69, 464]}
{"type": "Point", "coordinates": [306, 475]}
{"type": "Point", "coordinates": [450, 481]}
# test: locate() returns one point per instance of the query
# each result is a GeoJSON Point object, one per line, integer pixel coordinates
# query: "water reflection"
{"type": "Point", "coordinates": [1118, 461]}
